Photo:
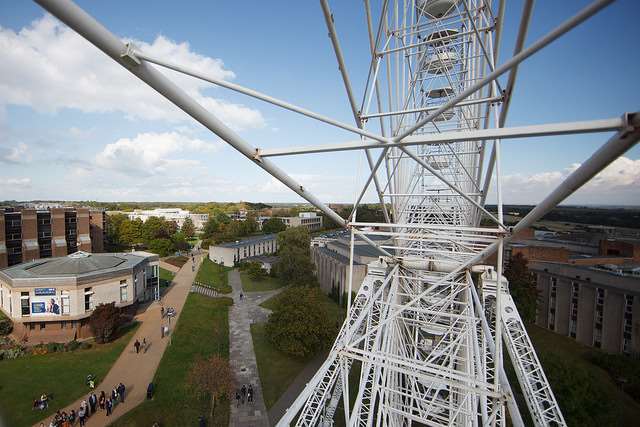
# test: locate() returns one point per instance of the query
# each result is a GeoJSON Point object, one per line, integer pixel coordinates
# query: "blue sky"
{"type": "Point", "coordinates": [75, 126]}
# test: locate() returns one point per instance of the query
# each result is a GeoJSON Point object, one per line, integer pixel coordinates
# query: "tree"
{"type": "Point", "coordinates": [105, 321]}
{"type": "Point", "coordinates": [155, 228]}
{"type": "Point", "coordinates": [211, 227]}
{"type": "Point", "coordinates": [162, 247]}
{"type": "Point", "coordinates": [522, 287]}
{"type": "Point", "coordinates": [188, 229]}
{"type": "Point", "coordinates": [130, 232]}
{"type": "Point", "coordinates": [273, 225]}
{"type": "Point", "coordinates": [179, 242]}
{"type": "Point", "coordinates": [255, 271]}
{"type": "Point", "coordinates": [212, 376]}
{"type": "Point", "coordinates": [300, 324]}
{"type": "Point", "coordinates": [294, 265]}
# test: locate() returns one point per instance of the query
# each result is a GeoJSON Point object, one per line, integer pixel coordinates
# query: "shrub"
{"type": "Point", "coordinates": [85, 345]}
{"type": "Point", "coordinates": [6, 325]}
{"type": "Point", "coordinates": [105, 321]}
{"type": "Point", "coordinates": [73, 345]}
{"type": "Point", "coordinates": [300, 324]}
{"type": "Point", "coordinates": [255, 271]}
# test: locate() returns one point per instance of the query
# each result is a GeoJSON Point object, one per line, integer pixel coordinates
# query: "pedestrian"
{"type": "Point", "coordinates": [250, 394]}
{"type": "Point", "coordinates": [109, 407]}
{"type": "Point", "coordinates": [237, 398]}
{"type": "Point", "coordinates": [201, 421]}
{"type": "Point", "coordinates": [102, 400]}
{"type": "Point", "coordinates": [92, 384]}
{"type": "Point", "coordinates": [144, 344]}
{"type": "Point", "coordinates": [81, 415]}
{"type": "Point", "coordinates": [137, 346]}
{"type": "Point", "coordinates": [114, 396]}
{"type": "Point", "coordinates": [161, 311]}
{"type": "Point", "coordinates": [244, 392]}
{"type": "Point", "coordinates": [93, 403]}
{"type": "Point", "coordinates": [72, 417]}
{"type": "Point", "coordinates": [161, 331]}
{"type": "Point", "coordinates": [121, 390]}
{"type": "Point", "coordinates": [241, 295]}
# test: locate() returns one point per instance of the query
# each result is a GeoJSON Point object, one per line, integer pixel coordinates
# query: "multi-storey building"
{"type": "Point", "coordinates": [27, 234]}
{"type": "Point", "coordinates": [330, 256]}
{"type": "Point", "coordinates": [51, 299]}
{"type": "Point", "coordinates": [98, 229]}
{"type": "Point", "coordinates": [171, 214]}
{"type": "Point", "coordinates": [598, 306]}
{"type": "Point", "coordinates": [233, 252]}
{"type": "Point", "coordinates": [311, 220]}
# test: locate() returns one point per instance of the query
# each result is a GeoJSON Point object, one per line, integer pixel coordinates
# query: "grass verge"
{"type": "Point", "coordinates": [202, 331]}
{"type": "Point", "coordinates": [214, 276]}
{"type": "Point", "coordinates": [266, 284]}
{"type": "Point", "coordinates": [61, 374]}
{"type": "Point", "coordinates": [277, 370]}
{"type": "Point", "coordinates": [166, 277]}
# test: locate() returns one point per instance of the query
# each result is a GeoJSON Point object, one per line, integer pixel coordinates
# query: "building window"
{"type": "Point", "coordinates": [43, 326]}
{"type": "Point", "coordinates": [627, 324]}
{"type": "Point", "coordinates": [552, 303]}
{"type": "Point", "coordinates": [123, 292]}
{"type": "Point", "coordinates": [24, 303]}
{"type": "Point", "coordinates": [88, 299]}
{"type": "Point", "coordinates": [598, 318]}
{"type": "Point", "coordinates": [573, 309]}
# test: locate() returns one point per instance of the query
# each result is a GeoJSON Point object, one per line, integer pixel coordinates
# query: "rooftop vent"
{"type": "Point", "coordinates": [79, 254]}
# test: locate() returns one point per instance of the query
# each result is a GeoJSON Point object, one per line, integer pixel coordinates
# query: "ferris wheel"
{"type": "Point", "coordinates": [423, 342]}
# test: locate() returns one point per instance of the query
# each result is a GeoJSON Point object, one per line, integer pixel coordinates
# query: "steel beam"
{"type": "Point", "coordinates": [518, 132]}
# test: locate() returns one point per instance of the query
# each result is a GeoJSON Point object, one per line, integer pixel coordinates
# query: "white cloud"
{"type": "Point", "coordinates": [15, 184]}
{"type": "Point", "coordinates": [151, 153]}
{"type": "Point", "coordinates": [49, 67]}
{"type": "Point", "coordinates": [18, 154]}
{"type": "Point", "coordinates": [619, 183]}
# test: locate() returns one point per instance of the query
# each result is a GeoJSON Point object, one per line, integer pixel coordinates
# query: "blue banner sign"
{"type": "Point", "coordinates": [45, 291]}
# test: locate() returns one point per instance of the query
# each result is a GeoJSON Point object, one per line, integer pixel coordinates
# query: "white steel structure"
{"type": "Point", "coordinates": [423, 342]}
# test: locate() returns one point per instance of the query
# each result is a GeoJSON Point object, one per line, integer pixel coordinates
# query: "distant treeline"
{"type": "Point", "coordinates": [607, 216]}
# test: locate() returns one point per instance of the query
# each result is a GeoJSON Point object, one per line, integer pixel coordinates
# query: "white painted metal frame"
{"type": "Point", "coordinates": [428, 350]}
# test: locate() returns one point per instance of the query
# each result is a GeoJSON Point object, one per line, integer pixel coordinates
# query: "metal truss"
{"type": "Point", "coordinates": [419, 346]}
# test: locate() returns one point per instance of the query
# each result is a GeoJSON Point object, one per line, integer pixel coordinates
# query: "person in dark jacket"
{"type": "Point", "coordinates": [121, 390]}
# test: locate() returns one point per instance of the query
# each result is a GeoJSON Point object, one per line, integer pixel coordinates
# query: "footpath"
{"type": "Point", "coordinates": [241, 354]}
{"type": "Point", "coordinates": [136, 371]}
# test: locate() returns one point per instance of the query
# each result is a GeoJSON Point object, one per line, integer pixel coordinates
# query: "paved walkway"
{"type": "Point", "coordinates": [136, 371]}
{"type": "Point", "coordinates": [242, 357]}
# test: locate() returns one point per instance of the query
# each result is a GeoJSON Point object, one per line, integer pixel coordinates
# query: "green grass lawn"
{"type": "Point", "coordinates": [214, 276]}
{"type": "Point", "coordinates": [166, 277]}
{"type": "Point", "coordinates": [266, 284]}
{"type": "Point", "coordinates": [61, 374]}
{"type": "Point", "coordinates": [277, 370]}
{"type": "Point", "coordinates": [202, 330]}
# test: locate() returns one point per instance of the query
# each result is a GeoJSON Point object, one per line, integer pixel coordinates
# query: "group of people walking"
{"type": "Point", "coordinates": [88, 407]}
{"type": "Point", "coordinates": [140, 345]}
{"type": "Point", "coordinates": [244, 394]}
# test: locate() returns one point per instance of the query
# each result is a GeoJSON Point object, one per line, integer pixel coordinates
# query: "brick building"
{"type": "Point", "coordinates": [27, 234]}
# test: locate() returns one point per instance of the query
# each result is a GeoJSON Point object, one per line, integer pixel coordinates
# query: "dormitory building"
{"type": "Point", "coordinates": [598, 306]}
{"type": "Point", "coordinates": [27, 234]}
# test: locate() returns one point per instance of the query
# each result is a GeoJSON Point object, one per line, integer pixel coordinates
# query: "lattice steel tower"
{"type": "Point", "coordinates": [422, 342]}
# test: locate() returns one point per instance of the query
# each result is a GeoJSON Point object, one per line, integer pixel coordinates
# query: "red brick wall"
{"type": "Point", "coordinates": [29, 232]}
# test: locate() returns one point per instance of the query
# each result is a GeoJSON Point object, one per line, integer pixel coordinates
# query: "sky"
{"type": "Point", "coordinates": [74, 125]}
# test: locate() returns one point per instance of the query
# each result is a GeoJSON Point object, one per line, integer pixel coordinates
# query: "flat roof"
{"type": "Point", "coordinates": [77, 265]}
{"type": "Point", "coordinates": [248, 241]}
